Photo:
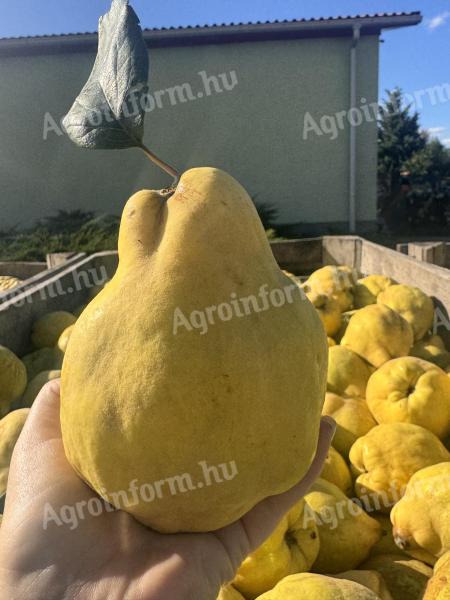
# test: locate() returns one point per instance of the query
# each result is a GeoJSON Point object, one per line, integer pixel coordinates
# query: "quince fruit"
{"type": "Point", "coordinates": [411, 390]}
{"type": "Point", "coordinates": [228, 592]}
{"type": "Point", "coordinates": [8, 283]}
{"type": "Point", "coordinates": [13, 378]}
{"type": "Point", "coordinates": [366, 290]}
{"type": "Point", "coordinates": [47, 329]}
{"type": "Point", "coordinates": [336, 471]}
{"type": "Point", "coordinates": [433, 350]}
{"type": "Point", "coordinates": [345, 318]}
{"type": "Point", "coordinates": [414, 306]}
{"type": "Point", "coordinates": [348, 374]}
{"type": "Point", "coordinates": [377, 333]}
{"type": "Point", "coordinates": [333, 281]}
{"type": "Point", "coordinates": [369, 579]}
{"type": "Point", "coordinates": [10, 429]}
{"type": "Point", "coordinates": [36, 385]}
{"type": "Point", "coordinates": [387, 544]}
{"type": "Point", "coordinates": [386, 458]}
{"type": "Point", "coordinates": [346, 531]}
{"type": "Point", "coordinates": [329, 311]}
{"type": "Point", "coordinates": [310, 586]}
{"type": "Point", "coordinates": [353, 419]}
{"type": "Point", "coordinates": [406, 578]}
{"type": "Point", "coordinates": [166, 394]}
{"type": "Point", "coordinates": [45, 359]}
{"type": "Point", "coordinates": [438, 587]}
{"type": "Point", "coordinates": [292, 548]}
{"type": "Point", "coordinates": [422, 517]}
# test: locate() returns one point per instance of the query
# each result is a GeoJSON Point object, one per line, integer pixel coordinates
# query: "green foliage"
{"type": "Point", "coordinates": [429, 198]}
{"type": "Point", "coordinates": [399, 138]}
{"type": "Point", "coordinates": [66, 221]}
{"type": "Point", "coordinates": [66, 232]}
{"type": "Point", "coordinates": [413, 171]}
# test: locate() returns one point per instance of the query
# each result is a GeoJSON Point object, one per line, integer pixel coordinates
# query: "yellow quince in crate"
{"type": "Point", "coordinates": [438, 587]}
{"type": "Point", "coordinates": [334, 281]}
{"type": "Point", "coordinates": [10, 429]}
{"type": "Point", "coordinates": [328, 309]}
{"type": "Point", "coordinates": [353, 419]}
{"type": "Point", "coordinates": [411, 390]}
{"type": "Point", "coordinates": [292, 548]}
{"type": "Point", "coordinates": [346, 531]}
{"type": "Point", "coordinates": [194, 381]}
{"type": "Point", "coordinates": [348, 373]}
{"type": "Point", "coordinates": [386, 458]}
{"type": "Point", "coordinates": [367, 290]}
{"type": "Point", "coordinates": [421, 519]}
{"type": "Point", "coordinates": [377, 333]}
{"type": "Point", "coordinates": [309, 586]}
{"type": "Point", "coordinates": [13, 379]}
{"type": "Point", "coordinates": [414, 306]}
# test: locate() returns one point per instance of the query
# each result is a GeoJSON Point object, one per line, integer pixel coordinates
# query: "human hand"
{"type": "Point", "coordinates": [112, 556]}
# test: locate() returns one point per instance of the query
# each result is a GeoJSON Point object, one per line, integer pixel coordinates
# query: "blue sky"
{"type": "Point", "coordinates": [414, 58]}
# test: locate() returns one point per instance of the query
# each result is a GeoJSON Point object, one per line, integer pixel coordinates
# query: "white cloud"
{"type": "Point", "coordinates": [438, 20]}
{"type": "Point", "coordinates": [446, 142]}
{"type": "Point", "coordinates": [436, 130]}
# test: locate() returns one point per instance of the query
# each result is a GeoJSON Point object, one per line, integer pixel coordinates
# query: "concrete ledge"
{"type": "Point", "coordinates": [63, 288]}
{"type": "Point", "coordinates": [22, 270]}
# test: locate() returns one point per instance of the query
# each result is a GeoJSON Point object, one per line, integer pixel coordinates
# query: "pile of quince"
{"type": "Point", "coordinates": [378, 520]}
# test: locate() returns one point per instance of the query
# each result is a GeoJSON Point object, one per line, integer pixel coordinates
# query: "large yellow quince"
{"type": "Point", "coordinates": [411, 390]}
{"type": "Point", "coordinates": [292, 548]}
{"type": "Point", "coordinates": [386, 458]}
{"type": "Point", "coordinates": [353, 419]}
{"type": "Point", "coordinates": [438, 587]}
{"type": "Point", "coordinates": [377, 333]}
{"type": "Point", "coordinates": [47, 329]}
{"type": "Point", "coordinates": [414, 306]}
{"type": "Point", "coordinates": [310, 586]}
{"type": "Point", "coordinates": [10, 429]}
{"type": "Point", "coordinates": [366, 290]}
{"type": "Point", "coordinates": [336, 471]}
{"type": "Point", "coordinates": [346, 531]}
{"type": "Point", "coordinates": [166, 386]}
{"type": "Point", "coordinates": [421, 519]}
{"type": "Point", "coordinates": [348, 373]}
{"type": "Point", "coordinates": [13, 378]}
{"type": "Point", "coordinates": [333, 281]}
{"type": "Point", "coordinates": [329, 311]}
{"type": "Point", "coordinates": [406, 578]}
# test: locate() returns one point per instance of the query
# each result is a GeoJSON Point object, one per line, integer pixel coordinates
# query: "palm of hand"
{"type": "Point", "coordinates": [111, 556]}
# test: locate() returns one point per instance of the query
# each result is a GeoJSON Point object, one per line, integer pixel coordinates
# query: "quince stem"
{"type": "Point", "coordinates": [161, 164]}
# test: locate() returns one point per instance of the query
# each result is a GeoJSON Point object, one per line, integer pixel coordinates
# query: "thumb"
{"type": "Point", "coordinates": [43, 423]}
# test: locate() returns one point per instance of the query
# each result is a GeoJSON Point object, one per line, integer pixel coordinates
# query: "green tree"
{"type": "Point", "coordinates": [399, 138]}
{"type": "Point", "coordinates": [429, 170]}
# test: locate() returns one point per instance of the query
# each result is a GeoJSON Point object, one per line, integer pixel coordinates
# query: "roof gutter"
{"type": "Point", "coordinates": [216, 34]}
{"type": "Point", "coordinates": [353, 78]}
